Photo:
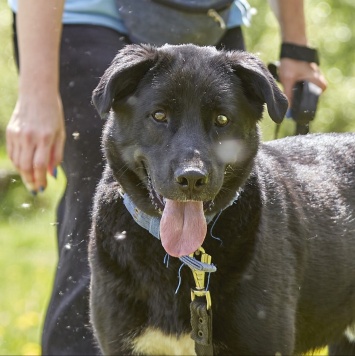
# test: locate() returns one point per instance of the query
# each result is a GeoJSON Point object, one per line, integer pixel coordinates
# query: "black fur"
{"type": "Point", "coordinates": [286, 266]}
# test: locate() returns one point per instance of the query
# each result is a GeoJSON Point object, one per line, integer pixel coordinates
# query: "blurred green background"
{"type": "Point", "coordinates": [27, 224]}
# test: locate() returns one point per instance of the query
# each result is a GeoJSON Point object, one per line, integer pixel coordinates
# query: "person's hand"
{"type": "Point", "coordinates": [35, 138]}
{"type": "Point", "coordinates": [292, 71]}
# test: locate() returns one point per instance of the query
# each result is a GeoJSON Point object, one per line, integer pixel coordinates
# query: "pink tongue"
{"type": "Point", "coordinates": [183, 227]}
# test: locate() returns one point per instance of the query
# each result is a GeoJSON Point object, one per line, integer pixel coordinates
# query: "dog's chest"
{"type": "Point", "coordinates": [154, 342]}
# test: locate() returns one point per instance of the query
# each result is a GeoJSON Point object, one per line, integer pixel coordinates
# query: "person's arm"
{"type": "Point", "coordinates": [35, 134]}
{"type": "Point", "coordinates": [291, 18]}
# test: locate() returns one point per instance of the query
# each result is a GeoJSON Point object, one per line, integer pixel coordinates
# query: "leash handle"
{"type": "Point", "coordinates": [304, 103]}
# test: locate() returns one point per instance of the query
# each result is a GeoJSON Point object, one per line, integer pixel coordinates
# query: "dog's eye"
{"type": "Point", "coordinates": [159, 116]}
{"type": "Point", "coordinates": [221, 120]}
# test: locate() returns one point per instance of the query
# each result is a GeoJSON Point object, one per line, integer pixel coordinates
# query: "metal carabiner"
{"type": "Point", "coordinates": [199, 277]}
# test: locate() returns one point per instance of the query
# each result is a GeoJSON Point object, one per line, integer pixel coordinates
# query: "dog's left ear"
{"type": "Point", "coordinates": [121, 78]}
{"type": "Point", "coordinates": [258, 83]}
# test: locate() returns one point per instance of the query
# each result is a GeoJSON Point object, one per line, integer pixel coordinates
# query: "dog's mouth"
{"type": "Point", "coordinates": [158, 201]}
{"type": "Point", "coordinates": [183, 225]}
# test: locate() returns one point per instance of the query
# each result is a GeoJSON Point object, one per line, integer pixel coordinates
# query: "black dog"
{"type": "Point", "coordinates": [182, 142]}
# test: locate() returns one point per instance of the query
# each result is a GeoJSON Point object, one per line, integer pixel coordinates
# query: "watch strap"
{"type": "Point", "coordinates": [301, 53]}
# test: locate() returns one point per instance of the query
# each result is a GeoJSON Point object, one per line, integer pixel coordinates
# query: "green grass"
{"type": "Point", "coordinates": [27, 261]}
{"type": "Point", "coordinates": [27, 266]}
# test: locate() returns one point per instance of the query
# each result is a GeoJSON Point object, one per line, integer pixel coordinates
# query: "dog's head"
{"type": "Point", "coordinates": [182, 131]}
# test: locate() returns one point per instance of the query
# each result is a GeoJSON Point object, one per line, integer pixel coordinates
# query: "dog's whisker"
{"type": "Point", "coordinates": [226, 190]}
{"type": "Point", "coordinates": [141, 184]}
{"type": "Point", "coordinates": [122, 173]}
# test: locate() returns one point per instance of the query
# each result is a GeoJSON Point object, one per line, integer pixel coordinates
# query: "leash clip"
{"type": "Point", "coordinates": [199, 277]}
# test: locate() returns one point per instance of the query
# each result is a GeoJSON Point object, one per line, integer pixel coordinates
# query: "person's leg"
{"type": "Point", "coordinates": [85, 54]}
{"type": "Point", "coordinates": [232, 40]}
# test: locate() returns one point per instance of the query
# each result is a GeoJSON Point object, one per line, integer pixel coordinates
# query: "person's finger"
{"type": "Point", "coordinates": [317, 78]}
{"type": "Point", "coordinates": [26, 143]}
{"type": "Point", "coordinates": [9, 146]}
{"type": "Point", "coordinates": [26, 167]}
{"type": "Point", "coordinates": [15, 153]}
{"type": "Point", "coordinates": [288, 90]}
{"type": "Point", "coordinates": [57, 153]}
{"type": "Point", "coordinates": [40, 164]}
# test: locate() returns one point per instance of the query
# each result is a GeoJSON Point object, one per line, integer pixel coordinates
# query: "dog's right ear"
{"type": "Point", "coordinates": [258, 84]}
{"type": "Point", "coordinates": [123, 75]}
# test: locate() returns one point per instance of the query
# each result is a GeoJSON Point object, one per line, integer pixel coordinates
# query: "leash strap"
{"type": "Point", "coordinates": [201, 323]}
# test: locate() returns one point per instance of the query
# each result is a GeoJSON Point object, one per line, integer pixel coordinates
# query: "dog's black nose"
{"type": "Point", "coordinates": [192, 179]}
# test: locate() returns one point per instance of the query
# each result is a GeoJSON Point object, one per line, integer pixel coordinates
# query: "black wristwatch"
{"type": "Point", "coordinates": [301, 53]}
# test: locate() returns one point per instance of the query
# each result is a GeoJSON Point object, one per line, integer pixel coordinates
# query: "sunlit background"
{"type": "Point", "coordinates": [27, 225]}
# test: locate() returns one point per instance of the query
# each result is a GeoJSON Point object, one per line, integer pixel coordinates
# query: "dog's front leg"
{"type": "Point", "coordinates": [264, 319]}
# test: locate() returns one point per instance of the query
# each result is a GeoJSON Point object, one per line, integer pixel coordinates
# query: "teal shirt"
{"type": "Point", "coordinates": [105, 13]}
